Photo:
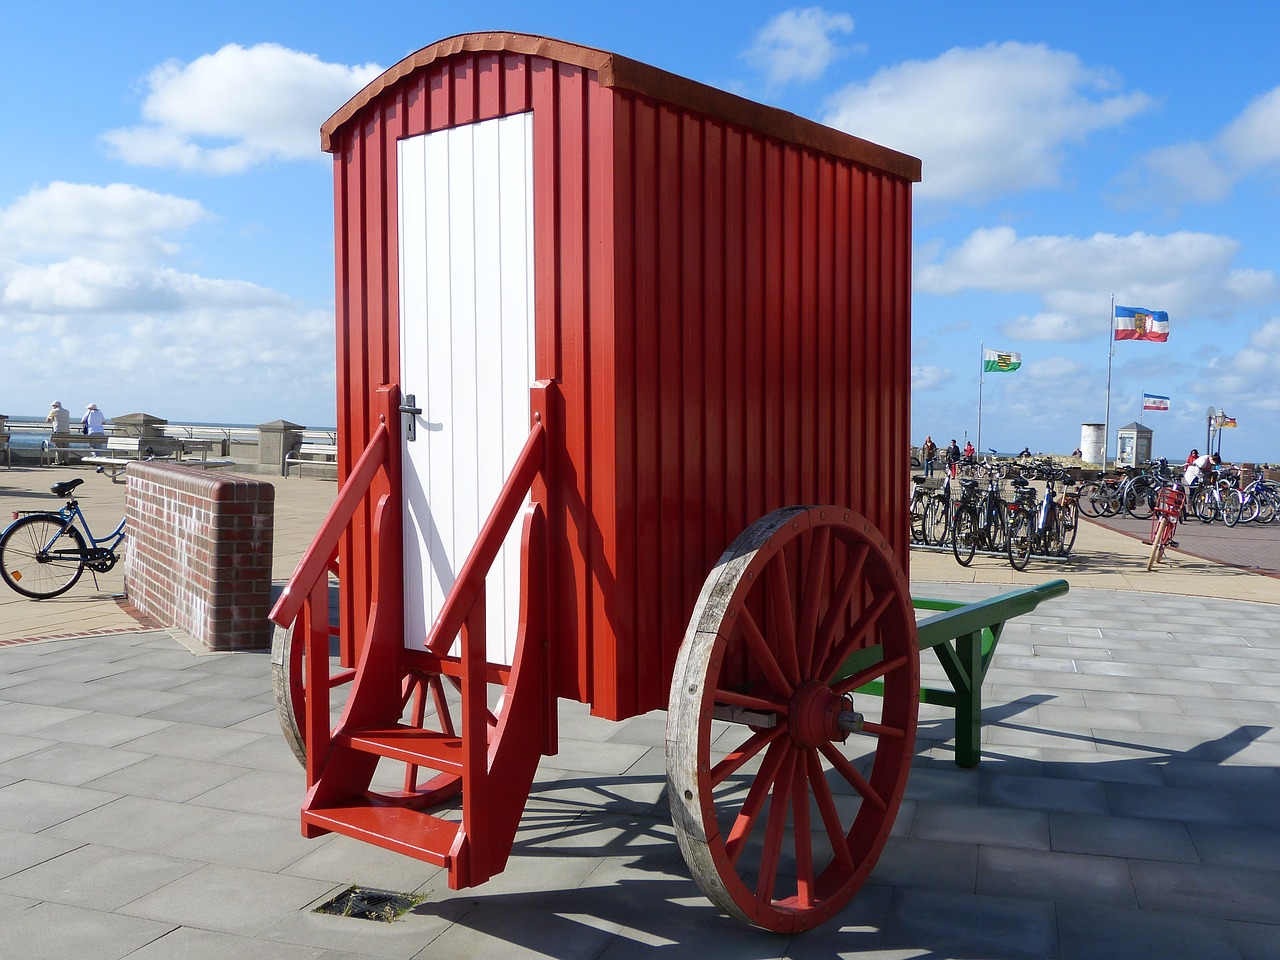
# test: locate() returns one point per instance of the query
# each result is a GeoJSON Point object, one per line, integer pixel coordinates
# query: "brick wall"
{"type": "Point", "coordinates": [199, 553]}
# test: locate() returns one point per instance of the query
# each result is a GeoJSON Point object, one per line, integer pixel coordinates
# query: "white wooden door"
{"type": "Point", "coordinates": [466, 322]}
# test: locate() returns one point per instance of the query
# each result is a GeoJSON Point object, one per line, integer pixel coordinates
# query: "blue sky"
{"type": "Point", "coordinates": [165, 211]}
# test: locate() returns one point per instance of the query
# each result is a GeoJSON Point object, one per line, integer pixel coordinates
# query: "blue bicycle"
{"type": "Point", "coordinates": [43, 553]}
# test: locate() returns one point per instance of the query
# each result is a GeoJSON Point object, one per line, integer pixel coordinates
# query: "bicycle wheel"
{"type": "Point", "coordinates": [1091, 498]}
{"type": "Point", "coordinates": [1266, 507]}
{"type": "Point", "coordinates": [998, 528]}
{"type": "Point", "coordinates": [935, 521]}
{"type": "Point", "coordinates": [1206, 506]}
{"type": "Point", "coordinates": [964, 536]}
{"type": "Point", "coordinates": [1021, 535]}
{"type": "Point", "coordinates": [918, 508]}
{"type": "Point", "coordinates": [1157, 543]}
{"type": "Point", "coordinates": [1232, 505]}
{"type": "Point", "coordinates": [1139, 498]}
{"type": "Point", "coordinates": [39, 559]}
{"type": "Point", "coordinates": [1070, 523]}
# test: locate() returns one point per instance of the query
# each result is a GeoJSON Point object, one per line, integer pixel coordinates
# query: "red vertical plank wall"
{"type": "Point", "coordinates": [765, 287]}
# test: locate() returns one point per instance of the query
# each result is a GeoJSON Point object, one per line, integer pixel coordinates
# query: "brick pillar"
{"type": "Point", "coordinates": [199, 553]}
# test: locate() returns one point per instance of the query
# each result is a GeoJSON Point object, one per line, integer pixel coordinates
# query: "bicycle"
{"type": "Point", "coordinates": [939, 515]}
{"type": "Point", "coordinates": [43, 553]}
{"type": "Point", "coordinates": [1210, 501]}
{"type": "Point", "coordinates": [1100, 498]}
{"type": "Point", "coordinates": [1256, 501]}
{"type": "Point", "coordinates": [919, 509]}
{"type": "Point", "coordinates": [1164, 522]}
{"type": "Point", "coordinates": [978, 523]}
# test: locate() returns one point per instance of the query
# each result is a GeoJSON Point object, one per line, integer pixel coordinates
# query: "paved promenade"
{"type": "Point", "coordinates": [1126, 804]}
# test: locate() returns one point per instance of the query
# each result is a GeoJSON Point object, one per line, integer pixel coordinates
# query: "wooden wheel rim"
{"type": "Point", "coordinates": [863, 585]}
{"type": "Point", "coordinates": [422, 697]}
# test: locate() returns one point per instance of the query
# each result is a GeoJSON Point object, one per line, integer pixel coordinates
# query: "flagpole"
{"type": "Point", "coordinates": [982, 353]}
{"type": "Point", "coordinates": [1111, 352]}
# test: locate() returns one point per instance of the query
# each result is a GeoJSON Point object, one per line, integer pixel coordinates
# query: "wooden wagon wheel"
{"type": "Point", "coordinates": [782, 811]}
{"type": "Point", "coordinates": [424, 704]}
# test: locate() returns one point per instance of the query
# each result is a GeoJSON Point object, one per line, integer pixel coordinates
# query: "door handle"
{"type": "Point", "coordinates": [409, 413]}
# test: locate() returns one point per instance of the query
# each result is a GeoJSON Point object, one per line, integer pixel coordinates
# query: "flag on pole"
{"type": "Point", "coordinates": [1152, 402]}
{"type": "Point", "coordinates": [1139, 323]}
{"type": "Point", "coordinates": [1228, 422]}
{"type": "Point", "coordinates": [996, 361]}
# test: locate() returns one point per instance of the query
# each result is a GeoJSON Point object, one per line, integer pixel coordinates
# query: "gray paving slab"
{"type": "Point", "coordinates": [97, 877]}
{"type": "Point", "coordinates": [229, 899]}
{"type": "Point", "coordinates": [52, 931]}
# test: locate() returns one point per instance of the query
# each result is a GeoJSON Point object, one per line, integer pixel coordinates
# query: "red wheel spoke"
{"type": "Point", "coordinates": [849, 582]}
{"type": "Point", "coordinates": [800, 827]}
{"type": "Point", "coordinates": [753, 745]}
{"type": "Point", "coordinates": [856, 637]}
{"type": "Point", "coordinates": [815, 578]}
{"type": "Point", "coordinates": [852, 776]}
{"type": "Point", "coordinates": [764, 780]}
{"type": "Point", "coordinates": [780, 592]}
{"type": "Point", "coordinates": [827, 810]}
{"type": "Point", "coordinates": [873, 672]}
{"type": "Point", "coordinates": [736, 699]}
{"type": "Point", "coordinates": [775, 830]}
{"type": "Point", "coordinates": [764, 656]}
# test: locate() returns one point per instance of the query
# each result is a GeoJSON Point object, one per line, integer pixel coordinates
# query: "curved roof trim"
{"type": "Point", "coordinates": [617, 71]}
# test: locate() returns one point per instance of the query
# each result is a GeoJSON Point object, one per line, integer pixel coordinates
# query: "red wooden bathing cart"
{"type": "Point", "coordinates": [596, 324]}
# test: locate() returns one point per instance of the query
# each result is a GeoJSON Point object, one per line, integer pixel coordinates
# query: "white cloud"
{"type": "Point", "coordinates": [120, 221]}
{"type": "Point", "coordinates": [1207, 171]}
{"type": "Point", "coordinates": [798, 45]}
{"type": "Point", "coordinates": [930, 377]}
{"type": "Point", "coordinates": [227, 111]}
{"type": "Point", "coordinates": [985, 121]}
{"type": "Point", "coordinates": [86, 282]}
{"type": "Point", "coordinates": [1188, 274]}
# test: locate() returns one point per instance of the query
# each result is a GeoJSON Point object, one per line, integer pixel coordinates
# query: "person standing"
{"type": "Point", "coordinates": [59, 420]}
{"type": "Point", "coordinates": [93, 424]}
{"type": "Point", "coordinates": [953, 457]}
{"type": "Point", "coordinates": [928, 453]}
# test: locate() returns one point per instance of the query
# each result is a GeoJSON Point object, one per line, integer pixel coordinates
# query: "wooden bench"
{"type": "Point", "coordinates": [122, 451]}
{"type": "Point", "coordinates": [311, 454]}
{"type": "Point", "coordinates": [964, 638]}
{"type": "Point", "coordinates": [61, 447]}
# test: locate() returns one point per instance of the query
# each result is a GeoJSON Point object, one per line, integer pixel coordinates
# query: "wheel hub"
{"type": "Point", "coordinates": [817, 716]}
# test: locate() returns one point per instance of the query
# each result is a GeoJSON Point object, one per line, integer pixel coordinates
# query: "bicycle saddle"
{"type": "Point", "coordinates": [64, 488]}
{"type": "Point", "coordinates": [1020, 482]}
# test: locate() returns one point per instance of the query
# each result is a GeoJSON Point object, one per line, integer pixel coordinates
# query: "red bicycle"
{"type": "Point", "coordinates": [1164, 521]}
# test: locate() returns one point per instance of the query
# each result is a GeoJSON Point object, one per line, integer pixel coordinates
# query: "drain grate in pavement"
{"type": "Point", "coordinates": [364, 903]}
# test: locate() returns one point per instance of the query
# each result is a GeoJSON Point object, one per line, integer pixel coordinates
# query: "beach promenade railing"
{"type": "Point", "coordinates": [29, 437]}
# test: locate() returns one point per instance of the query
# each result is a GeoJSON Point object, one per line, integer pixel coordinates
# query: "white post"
{"type": "Point", "coordinates": [1111, 352]}
{"type": "Point", "coordinates": [982, 358]}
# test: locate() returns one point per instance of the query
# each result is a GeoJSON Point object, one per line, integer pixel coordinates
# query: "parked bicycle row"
{"type": "Point", "coordinates": [1211, 492]}
{"type": "Point", "coordinates": [970, 518]}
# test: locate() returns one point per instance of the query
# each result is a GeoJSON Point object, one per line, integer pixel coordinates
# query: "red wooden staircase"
{"type": "Point", "coordinates": [468, 768]}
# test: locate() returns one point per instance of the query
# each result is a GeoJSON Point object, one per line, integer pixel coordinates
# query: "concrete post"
{"type": "Point", "coordinates": [275, 439]}
{"type": "Point", "coordinates": [138, 425]}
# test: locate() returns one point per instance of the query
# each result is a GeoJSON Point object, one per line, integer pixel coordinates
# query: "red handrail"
{"type": "Point", "coordinates": [319, 556]}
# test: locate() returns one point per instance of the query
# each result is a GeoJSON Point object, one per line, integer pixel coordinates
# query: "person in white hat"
{"type": "Point", "coordinates": [94, 425]}
{"type": "Point", "coordinates": [59, 420]}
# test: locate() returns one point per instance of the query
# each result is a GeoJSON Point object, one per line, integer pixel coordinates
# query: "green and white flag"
{"type": "Point", "coordinates": [996, 361]}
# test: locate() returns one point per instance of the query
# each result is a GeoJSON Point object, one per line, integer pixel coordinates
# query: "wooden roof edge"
{"type": "Point", "coordinates": [624, 73]}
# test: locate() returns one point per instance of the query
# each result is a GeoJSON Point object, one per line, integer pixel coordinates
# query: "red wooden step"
{"type": "Point", "coordinates": [398, 829]}
{"type": "Point", "coordinates": [424, 748]}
